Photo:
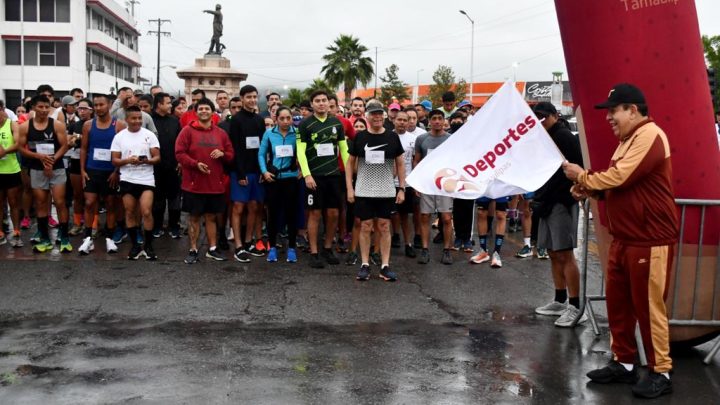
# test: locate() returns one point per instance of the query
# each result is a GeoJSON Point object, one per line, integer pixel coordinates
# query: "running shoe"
{"type": "Point", "coordinates": [52, 223]}
{"type": "Point", "coordinates": [36, 238]}
{"type": "Point", "coordinates": [525, 252]}
{"type": "Point", "coordinates": [140, 239]}
{"type": "Point", "coordinates": [150, 253]}
{"type": "Point", "coordinates": [424, 257]}
{"type": "Point", "coordinates": [86, 247]}
{"type": "Point", "coordinates": [16, 241]}
{"type": "Point", "coordinates": [542, 254]}
{"type": "Point", "coordinates": [566, 319]}
{"type": "Point", "coordinates": [192, 257]}
{"type": "Point", "coordinates": [341, 246]}
{"type": "Point", "coordinates": [261, 246]}
{"type": "Point", "coordinates": [119, 236]}
{"type": "Point", "coordinates": [329, 256]}
{"type": "Point", "coordinates": [316, 262]}
{"type": "Point", "coordinates": [552, 309]}
{"type": "Point", "coordinates": [65, 246]}
{"type": "Point", "coordinates": [25, 223]}
{"type": "Point", "coordinates": [496, 262]}
{"type": "Point", "coordinates": [364, 273]}
{"type": "Point", "coordinates": [76, 230]}
{"type": "Point", "coordinates": [352, 259]}
{"type": "Point", "coordinates": [272, 255]}
{"type": "Point", "coordinates": [158, 233]}
{"type": "Point", "coordinates": [175, 234]}
{"type": "Point", "coordinates": [215, 255]}
{"type": "Point", "coordinates": [481, 257]}
{"type": "Point", "coordinates": [457, 245]}
{"type": "Point", "coordinates": [110, 246]}
{"type": "Point", "coordinates": [468, 246]}
{"type": "Point", "coordinates": [410, 251]}
{"type": "Point", "coordinates": [257, 249]}
{"type": "Point", "coordinates": [43, 246]}
{"type": "Point", "coordinates": [241, 255]}
{"type": "Point", "coordinates": [387, 274]}
{"type": "Point", "coordinates": [291, 255]}
{"type": "Point", "coordinates": [446, 257]}
{"type": "Point", "coordinates": [136, 251]}
{"type": "Point", "coordinates": [375, 259]}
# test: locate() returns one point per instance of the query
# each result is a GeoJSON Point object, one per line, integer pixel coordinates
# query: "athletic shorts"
{"type": "Point", "coordinates": [501, 204]}
{"type": "Point", "coordinates": [38, 180]}
{"type": "Point", "coordinates": [408, 206]}
{"type": "Point", "coordinates": [74, 167]}
{"type": "Point", "coordinates": [254, 191]}
{"type": "Point", "coordinates": [135, 190]}
{"type": "Point", "coordinates": [558, 231]}
{"type": "Point", "coordinates": [431, 203]}
{"type": "Point", "coordinates": [8, 181]}
{"type": "Point", "coordinates": [199, 204]}
{"type": "Point", "coordinates": [328, 193]}
{"type": "Point", "coordinates": [368, 208]}
{"type": "Point", "coordinates": [98, 183]}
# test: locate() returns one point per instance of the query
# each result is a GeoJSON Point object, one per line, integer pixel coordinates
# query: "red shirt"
{"type": "Point", "coordinates": [194, 144]}
{"type": "Point", "coordinates": [190, 115]}
{"type": "Point", "coordinates": [349, 130]}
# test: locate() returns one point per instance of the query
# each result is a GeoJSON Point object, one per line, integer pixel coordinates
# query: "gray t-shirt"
{"type": "Point", "coordinates": [425, 143]}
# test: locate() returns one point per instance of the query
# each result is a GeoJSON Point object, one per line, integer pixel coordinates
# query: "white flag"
{"type": "Point", "coordinates": [503, 150]}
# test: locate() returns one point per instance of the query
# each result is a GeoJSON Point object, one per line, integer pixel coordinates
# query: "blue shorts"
{"type": "Point", "coordinates": [482, 200]}
{"type": "Point", "coordinates": [529, 196]}
{"type": "Point", "coordinates": [501, 204]}
{"type": "Point", "coordinates": [254, 191]}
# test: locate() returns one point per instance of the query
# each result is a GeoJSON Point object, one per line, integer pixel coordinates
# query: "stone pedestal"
{"type": "Point", "coordinates": [212, 73]}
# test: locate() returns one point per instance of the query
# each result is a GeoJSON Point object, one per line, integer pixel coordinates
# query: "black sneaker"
{"type": "Point", "coordinates": [424, 257]}
{"type": "Point", "coordinates": [364, 273]}
{"type": "Point", "coordinates": [316, 262]}
{"type": "Point", "coordinates": [417, 242]}
{"type": "Point", "coordinates": [375, 258]}
{"type": "Point", "coordinates": [241, 255]}
{"type": "Point", "coordinates": [330, 257]}
{"type": "Point", "coordinates": [438, 239]}
{"type": "Point", "coordinates": [447, 257]}
{"type": "Point", "coordinates": [136, 251]}
{"type": "Point", "coordinates": [395, 242]}
{"type": "Point", "coordinates": [352, 259]}
{"type": "Point", "coordinates": [192, 257]}
{"type": "Point", "coordinates": [255, 251]}
{"type": "Point", "coordinates": [652, 385]}
{"type": "Point", "coordinates": [223, 244]}
{"type": "Point", "coordinates": [215, 255]}
{"type": "Point", "coordinates": [613, 372]}
{"type": "Point", "coordinates": [150, 253]}
{"type": "Point", "coordinates": [387, 274]}
{"type": "Point", "coordinates": [410, 251]}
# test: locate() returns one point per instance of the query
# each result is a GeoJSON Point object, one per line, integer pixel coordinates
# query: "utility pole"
{"type": "Point", "coordinates": [132, 4]}
{"type": "Point", "coordinates": [159, 34]}
{"type": "Point", "coordinates": [376, 68]}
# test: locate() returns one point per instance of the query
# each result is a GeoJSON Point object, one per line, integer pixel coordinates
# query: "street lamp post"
{"type": "Point", "coordinates": [417, 86]}
{"type": "Point", "coordinates": [472, 51]}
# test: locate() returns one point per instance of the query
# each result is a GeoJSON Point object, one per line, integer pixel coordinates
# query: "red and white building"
{"type": "Point", "coordinates": [89, 44]}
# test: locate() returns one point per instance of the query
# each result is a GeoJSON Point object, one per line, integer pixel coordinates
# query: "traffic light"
{"type": "Point", "coordinates": [713, 86]}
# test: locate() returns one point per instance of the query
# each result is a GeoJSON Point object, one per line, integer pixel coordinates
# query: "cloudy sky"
{"type": "Point", "coordinates": [280, 42]}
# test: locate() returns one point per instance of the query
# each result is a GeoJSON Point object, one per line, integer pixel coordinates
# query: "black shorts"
{"type": "Point", "coordinates": [8, 181]}
{"type": "Point", "coordinates": [74, 167]}
{"type": "Point", "coordinates": [327, 194]}
{"type": "Point", "coordinates": [135, 190]}
{"type": "Point", "coordinates": [98, 183]}
{"type": "Point", "coordinates": [408, 206]}
{"type": "Point", "coordinates": [369, 208]}
{"type": "Point", "coordinates": [199, 204]}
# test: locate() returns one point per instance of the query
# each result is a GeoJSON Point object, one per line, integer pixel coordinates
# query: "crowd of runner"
{"type": "Point", "coordinates": [271, 182]}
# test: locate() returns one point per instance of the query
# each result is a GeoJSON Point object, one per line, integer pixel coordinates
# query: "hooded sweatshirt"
{"type": "Point", "coordinates": [193, 145]}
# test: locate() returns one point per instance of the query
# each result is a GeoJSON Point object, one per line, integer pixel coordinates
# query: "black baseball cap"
{"type": "Point", "coordinates": [374, 107]}
{"type": "Point", "coordinates": [545, 108]}
{"type": "Point", "coordinates": [623, 93]}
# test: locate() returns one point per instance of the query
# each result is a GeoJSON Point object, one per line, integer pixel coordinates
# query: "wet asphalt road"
{"type": "Point", "coordinates": [104, 330]}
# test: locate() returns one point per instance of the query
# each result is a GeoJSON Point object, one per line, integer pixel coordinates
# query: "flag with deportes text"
{"type": "Point", "coordinates": [502, 150]}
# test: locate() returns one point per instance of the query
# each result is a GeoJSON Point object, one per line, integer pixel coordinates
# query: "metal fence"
{"type": "Point", "coordinates": [674, 318]}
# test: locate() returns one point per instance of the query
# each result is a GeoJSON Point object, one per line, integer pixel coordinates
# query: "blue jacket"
{"type": "Point", "coordinates": [272, 139]}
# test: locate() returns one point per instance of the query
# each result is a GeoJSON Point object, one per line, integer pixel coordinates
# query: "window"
{"type": "Point", "coordinates": [47, 10]}
{"type": "Point", "coordinates": [12, 10]}
{"type": "Point", "coordinates": [97, 21]}
{"type": "Point", "coordinates": [109, 29]}
{"type": "Point", "coordinates": [62, 11]}
{"type": "Point", "coordinates": [44, 53]}
{"type": "Point", "coordinates": [30, 10]}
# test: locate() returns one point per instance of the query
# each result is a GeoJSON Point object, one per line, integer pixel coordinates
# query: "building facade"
{"type": "Point", "coordinates": [88, 44]}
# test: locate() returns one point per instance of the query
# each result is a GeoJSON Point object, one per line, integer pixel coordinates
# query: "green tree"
{"type": "Point", "coordinates": [392, 86]}
{"type": "Point", "coordinates": [345, 65]}
{"type": "Point", "coordinates": [295, 96]}
{"type": "Point", "coordinates": [444, 80]}
{"type": "Point", "coordinates": [317, 84]}
{"type": "Point", "coordinates": [712, 57]}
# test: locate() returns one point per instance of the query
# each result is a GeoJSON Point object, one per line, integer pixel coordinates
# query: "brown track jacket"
{"type": "Point", "coordinates": [638, 189]}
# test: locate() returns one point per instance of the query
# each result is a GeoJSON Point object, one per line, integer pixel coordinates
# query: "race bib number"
{"type": "Point", "coordinates": [284, 151]}
{"type": "Point", "coordinates": [252, 142]}
{"type": "Point", "coordinates": [101, 155]}
{"type": "Point", "coordinates": [375, 157]}
{"type": "Point", "coordinates": [45, 148]}
{"type": "Point", "coordinates": [325, 149]}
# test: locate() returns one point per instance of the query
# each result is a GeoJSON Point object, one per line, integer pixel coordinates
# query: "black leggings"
{"type": "Point", "coordinates": [463, 211]}
{"type": "Point", "coordinates": [280, 198]}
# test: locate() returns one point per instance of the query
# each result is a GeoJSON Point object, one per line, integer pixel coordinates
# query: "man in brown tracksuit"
{"type": "Point", "coordinates": [642, 218]}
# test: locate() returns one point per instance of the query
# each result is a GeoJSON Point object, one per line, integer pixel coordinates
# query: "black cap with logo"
{"type": "Point", "coordinates": [623, 93]}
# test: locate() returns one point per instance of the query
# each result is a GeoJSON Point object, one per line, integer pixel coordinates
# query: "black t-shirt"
{"type": "Point", "coordinates": [376, 160]}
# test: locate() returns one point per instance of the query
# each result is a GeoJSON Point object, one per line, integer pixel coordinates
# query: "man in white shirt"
{"type": "Point", "coordinates": [402, 211]}
{"type": "Point", "coordinates": [135, 150]}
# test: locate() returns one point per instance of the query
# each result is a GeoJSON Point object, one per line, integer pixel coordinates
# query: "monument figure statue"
{"type": "Point", "coordinates": [217, 30]}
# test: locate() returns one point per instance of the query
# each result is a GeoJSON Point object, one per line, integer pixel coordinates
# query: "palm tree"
{"type": "Point", "coordinates": [317, 84]}
{"type": "Point", "coordinates": [294, 97]}
{"type": "Point", "coordinates": [346, 66]}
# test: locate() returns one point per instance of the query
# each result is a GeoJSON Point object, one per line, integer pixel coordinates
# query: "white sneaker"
{"type": "Point", "coordinates": [496, 261]}
{"type": "Point", "coordinates": [553, 309]}
{"type": "Point", "coordinates": [110, 246]}
{"type": "Point", "coordinates": [567, 318]}
{"type": "Point", "coordinates": [87, 246]}
{"type": "Point", "coordinates": [481, 257]}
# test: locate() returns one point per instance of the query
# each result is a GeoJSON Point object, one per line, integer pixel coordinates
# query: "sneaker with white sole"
{"type": "Point", "coordinates": [110, 246]}
{"type": "Point", "coordinates": [481, 257]}
{"type": "Point", "coordinates": [496, 262]}
{"type": "Point", "coordinates": [552, 309]}
{"type": "Point", "coordinates": [87, 246]}
{"type": "Point", "coordinates": [566, 319]}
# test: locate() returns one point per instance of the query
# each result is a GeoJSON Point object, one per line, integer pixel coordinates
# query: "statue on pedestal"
{"type": "Point", "coordinates": [217, 31]}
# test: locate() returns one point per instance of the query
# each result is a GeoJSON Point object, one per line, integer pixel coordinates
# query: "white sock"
{"type": "Point", "coordinates": [667, 375]}
{"type": "Point", "coordinates": [212, 248]}
{"type": "Point", "coordinates": [526, 241]}
{"type": "Point", "coordinates": [627, 366]}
